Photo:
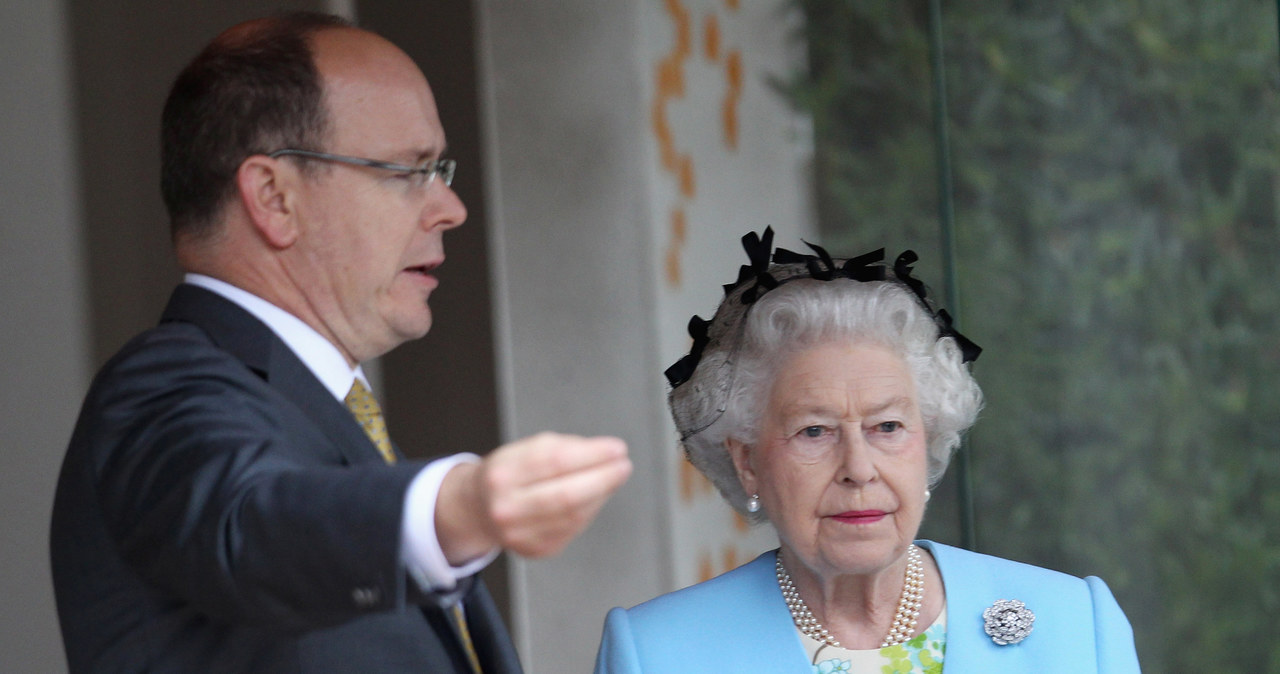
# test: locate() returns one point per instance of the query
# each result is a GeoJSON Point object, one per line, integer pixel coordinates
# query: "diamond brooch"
{"type": "Point", "coordinates": [1008, 621]}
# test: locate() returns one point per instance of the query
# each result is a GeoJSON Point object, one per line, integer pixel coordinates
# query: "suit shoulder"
{"type": "Point", "coordinates": [723, 598]}
{"type": "Point", "coordinates": [1008, 570]}
{"type": "Point", "coordinates": [174, 350]}
{"type": "Point", "coordinates": [169, 368]}
{"type": "Point", "coordinates": [975, 580]}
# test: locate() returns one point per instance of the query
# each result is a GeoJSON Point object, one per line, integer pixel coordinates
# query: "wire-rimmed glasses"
{"type": "Point", "coordinates": [422, 174]}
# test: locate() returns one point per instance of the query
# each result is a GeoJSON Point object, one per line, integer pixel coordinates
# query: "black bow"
{"type": "Point", "coordinates": [969, 351]}
{"type": "Point", "coordinates": [902, 269]}
{"type": "Point", "coordinates": [863, 268]}
{"type": "Point", "coordinates": [821, 266]}
{"type": "Point", "coordinates": [682, 370]}
{"type": "Point", "coordinates": [758, 249]}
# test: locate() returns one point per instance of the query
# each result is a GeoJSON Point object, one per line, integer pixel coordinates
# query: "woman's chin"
{"type": "Point", "coordinates": [861, 557]}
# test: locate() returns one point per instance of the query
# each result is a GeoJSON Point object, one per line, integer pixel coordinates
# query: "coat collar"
{"type": "Point", "coordinates": [250, 341]}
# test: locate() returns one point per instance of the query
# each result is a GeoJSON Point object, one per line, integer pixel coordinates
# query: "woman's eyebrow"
{"type": "Point", "coordinates": [894, 402]}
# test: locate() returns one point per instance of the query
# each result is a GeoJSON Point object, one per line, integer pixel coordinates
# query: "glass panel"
{"type": "Point", "coordinates": [1115, 168]}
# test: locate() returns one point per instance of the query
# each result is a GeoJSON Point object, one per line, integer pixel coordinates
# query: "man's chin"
{"type": "Point", "coordinates": [415, 328]}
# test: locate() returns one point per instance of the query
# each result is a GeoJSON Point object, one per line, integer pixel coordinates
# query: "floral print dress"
{"type": "Point", "coordinates": [920, 655]}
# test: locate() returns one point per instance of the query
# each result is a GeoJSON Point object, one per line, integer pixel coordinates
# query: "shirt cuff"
{"type": "Point", "coordinates": [420, 548]}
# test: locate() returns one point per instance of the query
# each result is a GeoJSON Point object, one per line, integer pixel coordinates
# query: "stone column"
{"type": "Point", "coordinates": [629, 145]}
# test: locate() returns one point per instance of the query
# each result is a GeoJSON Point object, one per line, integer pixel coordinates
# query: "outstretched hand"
{"type": "Point", "coordinates": [531, 497]}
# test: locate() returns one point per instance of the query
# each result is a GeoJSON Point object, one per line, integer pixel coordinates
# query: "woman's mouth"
{"type": "Point", "coordinates": [860, 516]}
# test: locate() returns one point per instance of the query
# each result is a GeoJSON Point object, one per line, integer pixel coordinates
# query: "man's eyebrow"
{"type": "Point", "coordinates": [430, 153]}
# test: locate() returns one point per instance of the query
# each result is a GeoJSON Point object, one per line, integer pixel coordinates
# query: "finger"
{"type": "Point", "coordinates": [551, 538]}
{"type": "Point", "coordinates": [550, 455]}
{"type": "Point", "coordinates": [548, 536]}
{"type": "Point", "coordinates": [560, 496]}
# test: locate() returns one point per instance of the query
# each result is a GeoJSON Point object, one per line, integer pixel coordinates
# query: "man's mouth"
{"type": "Point", "coordinates": [424, 273]}
{"type": "Point", "coordinates": [424, 269]}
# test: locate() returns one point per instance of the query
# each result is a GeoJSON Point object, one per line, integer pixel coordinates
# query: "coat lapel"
{"type": "Point", "coordinates": [1061, 640]}
{"type": "Point", "coordinates": [493, 644]}
{"type": "Point", "coordinates": [768, 635]}
{"type": "Point", "coordinates": [241, 334]}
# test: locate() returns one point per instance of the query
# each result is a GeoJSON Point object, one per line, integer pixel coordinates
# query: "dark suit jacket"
{"type": "Point", "coordinates": [219, 511]}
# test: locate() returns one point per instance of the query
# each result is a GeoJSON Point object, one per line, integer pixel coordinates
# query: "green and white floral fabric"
{"type": "Point", "coordinates": [921, 655]}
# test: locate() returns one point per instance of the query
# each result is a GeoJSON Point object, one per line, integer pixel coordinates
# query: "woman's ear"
{"type": "Point", "coordinates": [741, 455]}
{"type": "Point", "coordinates": [265, 190]}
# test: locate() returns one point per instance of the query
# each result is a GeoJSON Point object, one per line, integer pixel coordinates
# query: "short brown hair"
{"type": "Point", "coordinates": [252, 90]}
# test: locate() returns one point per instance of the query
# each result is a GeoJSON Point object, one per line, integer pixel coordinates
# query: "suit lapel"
{"type": "Point", "coordinates": [241, 334]}
{"type": "Point", "coordinates": [488, 634]}
{"type": "Point", "coordinates": [776, 629]}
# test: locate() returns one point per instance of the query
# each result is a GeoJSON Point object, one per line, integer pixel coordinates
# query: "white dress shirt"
{"type": "Point", "coordinates": [419, 548]}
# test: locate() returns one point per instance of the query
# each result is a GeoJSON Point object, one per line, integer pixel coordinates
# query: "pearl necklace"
{"type": "Point", "coordinates": [904, 621]}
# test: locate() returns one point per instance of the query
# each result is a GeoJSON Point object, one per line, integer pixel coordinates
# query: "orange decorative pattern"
{"type": "Point", "coordinates": [705, 570]}
{"type": "Point", "coordinates": [711, 38]}
{"type": "Point", "coordinates": [693, 484]}
{"type": "Point", "coordinates": [719, 103]}
{"type": "Point", "coordinates": [669, 75]}
{"type": "Point", "coordinates": [670, 79]}
{"type": "Point", "coordinates": [732, 97]}
{"type": "Point", "coordinates": [673, 251]}
{"type": "Point", "coordinates": [730, 558]}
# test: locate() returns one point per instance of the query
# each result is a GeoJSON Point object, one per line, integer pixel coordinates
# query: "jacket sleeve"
{"type": "Point", "coordinates": [618, 653]}
{"type": "Point", "coordinates": [220, 493]}
{"type": "Point", "coordinates": [1116, 651]}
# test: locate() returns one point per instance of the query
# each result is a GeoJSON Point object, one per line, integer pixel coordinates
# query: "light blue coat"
{"type": "Point", "coordinates": [737, 622]}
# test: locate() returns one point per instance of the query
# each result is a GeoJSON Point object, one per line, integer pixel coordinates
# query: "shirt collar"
{"type": "Point", "coordinates": [321, 357]}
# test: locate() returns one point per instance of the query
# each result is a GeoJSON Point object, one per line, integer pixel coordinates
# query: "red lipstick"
{"type": "Point", "coordinates": [860, 516]}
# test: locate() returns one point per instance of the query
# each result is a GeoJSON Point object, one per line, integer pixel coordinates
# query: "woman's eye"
{"type": "Point", "coordinates": [888, 426]}
{"type": "Point", "coordinates": [812, 432]}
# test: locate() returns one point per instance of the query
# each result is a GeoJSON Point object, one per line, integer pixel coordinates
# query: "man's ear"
{"type": "Point", "coordinates": [741, 455]}
{"type": "Point", "coordinates": [266, 190]}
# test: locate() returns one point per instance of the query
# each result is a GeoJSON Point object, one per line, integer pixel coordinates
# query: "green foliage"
{"type": "Point", "coordinates": [1116, 165]}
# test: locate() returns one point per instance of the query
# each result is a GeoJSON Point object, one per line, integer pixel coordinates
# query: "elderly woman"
{"type": "Point", "coordinates": [825, 397]}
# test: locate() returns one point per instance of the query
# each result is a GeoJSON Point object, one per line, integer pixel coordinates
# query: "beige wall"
{"type": "Point", "coordinates": [43, 326]}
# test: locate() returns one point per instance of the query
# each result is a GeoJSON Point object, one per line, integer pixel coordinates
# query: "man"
{"type": "Point", "coordinates": [220, 508]}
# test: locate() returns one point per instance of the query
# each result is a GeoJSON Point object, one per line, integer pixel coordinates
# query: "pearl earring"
{"type": "Point", "coordinates": [927, 495]}
{"type": "Point", "coordinates": [753, 504]}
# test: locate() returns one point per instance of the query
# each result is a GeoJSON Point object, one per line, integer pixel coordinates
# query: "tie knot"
{"type": "Point", "coordinates": [364, 407]}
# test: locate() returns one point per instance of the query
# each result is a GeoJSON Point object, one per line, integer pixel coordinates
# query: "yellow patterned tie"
{"type": "Point", "coordinates": [365, 408]}
{"type": "Point", "coordinates": [461, 621]}
{"type": "Point", "coordinates": [366, 411]}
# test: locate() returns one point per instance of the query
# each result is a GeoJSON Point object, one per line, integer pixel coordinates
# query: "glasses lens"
{"type": "Point", "coordinates": [445, 168]}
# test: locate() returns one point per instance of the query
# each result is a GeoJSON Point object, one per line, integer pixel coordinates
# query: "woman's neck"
{"type": "Point", "coordinates": [859, 609]}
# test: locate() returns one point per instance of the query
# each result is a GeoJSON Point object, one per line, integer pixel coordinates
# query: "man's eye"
{"type": "Point", "coordinates": [416, 178]}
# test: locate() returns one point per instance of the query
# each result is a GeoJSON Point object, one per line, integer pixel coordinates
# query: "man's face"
{"type": "Point", "coordinates": [370, 239]}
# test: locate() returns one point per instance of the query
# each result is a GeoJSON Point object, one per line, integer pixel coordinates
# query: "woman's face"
{"type": "Point", "coordinates": [840, 460]}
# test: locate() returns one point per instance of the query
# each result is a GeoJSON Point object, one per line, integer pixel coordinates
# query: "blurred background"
{"type": "Point", "coordinates": [1091, 187]}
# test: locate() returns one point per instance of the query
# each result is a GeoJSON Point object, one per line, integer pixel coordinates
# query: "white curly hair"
{"type": "Point", "coordinates": [725, 396]}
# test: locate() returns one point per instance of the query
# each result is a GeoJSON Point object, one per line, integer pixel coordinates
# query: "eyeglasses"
{"type": "Point", "coordinates": [422, 175]}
